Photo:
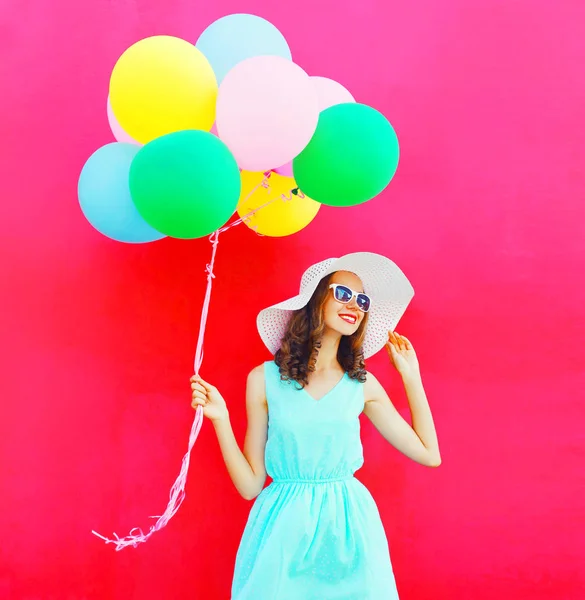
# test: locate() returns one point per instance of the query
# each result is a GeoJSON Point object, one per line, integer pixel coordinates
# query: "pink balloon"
{"type": "Point", "coordinates": [330, 92]}
{"type": "Point", "coordinates": [119, 134]}
{"type": "Point", "coordinates": [285, 170]}
{"type": "Point", "coordinates": [267, 111]}
{"type": "Point", "coordinates": [214, 129]}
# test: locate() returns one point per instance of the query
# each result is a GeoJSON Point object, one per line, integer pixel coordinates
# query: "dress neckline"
{"type": "Point", "coordinates": [327, 393]}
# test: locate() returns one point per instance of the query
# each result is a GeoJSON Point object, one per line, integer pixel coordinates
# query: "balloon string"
{"type": "Point", "coordinates": [177, 493]}
{"type": "Point", "coordinates": [214, 239]}
{"type": "Point", "coordinates": [176, 497]}
{"type": "Point", "coordinates": [265, 183]}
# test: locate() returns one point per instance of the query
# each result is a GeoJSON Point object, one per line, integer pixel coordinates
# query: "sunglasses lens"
{"type": "Point", "coordinates": [343, 294]}
{"type": "Point", "coordinates": [363, 302]}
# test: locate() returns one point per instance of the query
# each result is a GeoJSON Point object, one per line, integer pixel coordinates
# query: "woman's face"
{"type": "Point", "coordinates": [343, 318]}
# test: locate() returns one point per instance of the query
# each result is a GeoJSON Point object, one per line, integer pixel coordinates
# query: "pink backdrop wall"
{"type": "Point", "coordinates": [485, 216]}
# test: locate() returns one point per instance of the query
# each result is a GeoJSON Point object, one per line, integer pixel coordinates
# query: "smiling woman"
{"type": "Point", "coordinates": [325, 318]}
{"type": "Point", "coordinates": [315, 531]}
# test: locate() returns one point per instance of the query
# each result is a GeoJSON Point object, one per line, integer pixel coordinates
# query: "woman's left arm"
{"type": "Point", "coordinates": [418, 442]}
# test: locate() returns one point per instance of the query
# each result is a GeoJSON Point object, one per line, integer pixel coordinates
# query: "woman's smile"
{"type": "Point", "coordinates": [349, 318]}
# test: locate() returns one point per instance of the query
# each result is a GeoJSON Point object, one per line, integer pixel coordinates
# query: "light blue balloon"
{"type": "Point", "coordinates": [232, 39]}
{"type": "Point", "coordinates": [104, 195]}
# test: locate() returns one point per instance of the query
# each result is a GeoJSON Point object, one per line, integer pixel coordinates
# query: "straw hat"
{"type": "Point", "coordinates": [387, 286]}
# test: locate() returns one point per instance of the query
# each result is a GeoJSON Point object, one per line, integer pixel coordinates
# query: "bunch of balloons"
{"type": "Point", "coordinates": [201, 129]}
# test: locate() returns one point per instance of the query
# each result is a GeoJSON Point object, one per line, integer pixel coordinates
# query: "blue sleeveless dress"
{"type": "Point", "coordinates": [315, 532]}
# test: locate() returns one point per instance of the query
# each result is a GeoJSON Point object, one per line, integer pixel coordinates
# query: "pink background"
{"type": "Point", "coordinates": [485, 216]}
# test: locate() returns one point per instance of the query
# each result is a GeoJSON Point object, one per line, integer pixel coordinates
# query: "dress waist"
{"type": "Point", "coordinates": [315, 481]}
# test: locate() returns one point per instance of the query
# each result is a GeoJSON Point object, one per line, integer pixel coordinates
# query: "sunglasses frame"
{"type": "Point", "coordinates": [354, 294]}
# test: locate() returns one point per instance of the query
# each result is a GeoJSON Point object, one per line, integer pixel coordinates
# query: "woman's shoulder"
{"type": "Point", "coordinates": [370, 381]}
{"type": "Point", "coordinates": [256, 373]}
{"type": "Point", "coordinates": [260, 371]}
{"type": "Point", "coordinates": [255, 388]}
{"type": "Point", "coordinates": [371, 377]}
{"type": "Point", "coordinates": [373, 389]}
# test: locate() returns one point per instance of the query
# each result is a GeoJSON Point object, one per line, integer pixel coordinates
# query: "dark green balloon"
{"type": "Point", "coordinates": [185, 184]}
{"type": "Point", "coordinates": [351, 158]}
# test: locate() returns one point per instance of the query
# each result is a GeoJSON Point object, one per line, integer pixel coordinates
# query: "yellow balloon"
{"type": "Point", "coordinates": [162, 84]}
{"type": "Point", "coordinates": [281, 217]}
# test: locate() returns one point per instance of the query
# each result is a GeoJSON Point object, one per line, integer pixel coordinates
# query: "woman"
{"type": "Point", "coordinates": [315, 531]}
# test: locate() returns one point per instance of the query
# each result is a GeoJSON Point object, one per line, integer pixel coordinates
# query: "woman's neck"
{"type": "Point", "coordinates": [327, 357]}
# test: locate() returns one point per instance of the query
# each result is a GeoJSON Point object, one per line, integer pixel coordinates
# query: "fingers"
{"type": "Point", "coordinates": [198, 387]}
{"type": "Point", "coordinates": [407, 343]}
{"type": "Point", "coordinates": [394, 339]}
{"type": "Point", "coordinates": [198, 393]}
{"type": "Point", "coordinates": [198, 399]}
{"type": "Point", "coordinates": [197, 379]}
{"type": "Point", "coordinates": [392, 353]}
{"type": "Point", "coordinates": [401, 342]}
{"type": "Point", "coordinates": [398, 341]}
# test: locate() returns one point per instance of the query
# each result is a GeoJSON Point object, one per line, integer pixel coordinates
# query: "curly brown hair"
{"type": "Point", "coordinates": [300, 344]}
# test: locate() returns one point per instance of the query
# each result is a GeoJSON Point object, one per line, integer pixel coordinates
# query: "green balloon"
{"type": "Point", "coordinates": [351, 157]}
{"type": "Point", "coordinates": [185, 184]}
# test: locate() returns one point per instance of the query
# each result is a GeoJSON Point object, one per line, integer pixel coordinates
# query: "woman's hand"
{"type": "Point", "coordinates": [402, 355]}
{"type": "Point", "coordinates": [207, 396]}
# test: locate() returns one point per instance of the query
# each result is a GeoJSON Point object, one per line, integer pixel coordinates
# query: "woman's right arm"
{"type": "Point", "coordinates": [246, 469]}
